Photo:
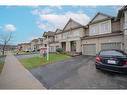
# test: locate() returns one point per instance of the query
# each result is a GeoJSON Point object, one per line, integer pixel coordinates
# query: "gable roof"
{"type": "Point", "coordinates": [49, 33]}
{"type": "Point", "coordinates": [108, 16]}
{"type": "Point", "coordinates": [56, 32]}
{"type": "Point", "coordinates": [73, 21]}
{"type": "Point", "coordinates": [120, 12]}
{"type": "Point", "coordinates": [41, 39]}
{"type": "Point", "coordinates": [34, 40]}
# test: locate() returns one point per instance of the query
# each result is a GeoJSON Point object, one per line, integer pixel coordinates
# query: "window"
{"type": "Point", "coordinates": [77, 33]}
{"type": "Point", "coordinates": [70, 34]}
{"type": "Point", "coordinates": [93, 30]}
{"type": "Point", "coordinates": [45, 45]}
{"type": "Point", "coordinates": [65, 35]}
{"type": "Point", "coordinates": [104, 27]}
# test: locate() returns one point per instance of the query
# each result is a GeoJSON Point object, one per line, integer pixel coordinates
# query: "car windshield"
{"type": "Point", "coordinates": [113, 53]}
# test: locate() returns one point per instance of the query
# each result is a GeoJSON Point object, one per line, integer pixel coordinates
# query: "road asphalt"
{"type": "Point", "coordinates": [78, 73]}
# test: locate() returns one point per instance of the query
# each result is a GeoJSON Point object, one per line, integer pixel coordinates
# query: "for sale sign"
{"type": "Point", "coordinates": [43, 50]}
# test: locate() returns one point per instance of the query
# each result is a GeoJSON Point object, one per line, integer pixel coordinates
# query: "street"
{"type": "Point", "coordinates": [78, 73]}
{"type": "Point", "coordinates": [25, 56]}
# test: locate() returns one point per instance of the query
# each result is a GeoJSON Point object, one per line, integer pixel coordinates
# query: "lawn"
{"type": "Point", "coordinates": [36, 61]}
{"type": "Point", "coordinates": [1, 66]}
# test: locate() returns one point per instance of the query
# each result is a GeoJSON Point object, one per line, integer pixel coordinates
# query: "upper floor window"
{"type": "Point", "coordinates": [58, 37]}
{"type": "Point", "coordinates": [100, 28]}
{"type": "Point", "coordinates": [65, 35]}
{"type": "Point", "coordinates": [104, 27]}
{"type": "Point", "coordinates": [77, 33]}
{"type": "Point", "coordinates": [70, 34]}
{"type": "Point", "coordinates": [93, 30]}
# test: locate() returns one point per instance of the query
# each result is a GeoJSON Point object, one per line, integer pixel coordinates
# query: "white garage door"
{"type": "Point", "coordinates": [89, 49]}
{"type": "Point", "coordinates": [116, 45]}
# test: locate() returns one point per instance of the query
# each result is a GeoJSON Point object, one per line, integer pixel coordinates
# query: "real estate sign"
{"type": "Point", "coordinates": [44, 51]}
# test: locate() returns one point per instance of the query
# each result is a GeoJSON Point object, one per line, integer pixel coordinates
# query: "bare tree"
{"type": "Point", "coordinates": [4, 39]}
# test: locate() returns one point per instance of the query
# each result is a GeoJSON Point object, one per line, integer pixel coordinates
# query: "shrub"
{"type": "Point", "coordinates": [60, 50]}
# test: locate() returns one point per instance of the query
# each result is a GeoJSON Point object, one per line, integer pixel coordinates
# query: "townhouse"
{"type": "Point", "coordinates": [55, 43]}
{"type": "Point", "coordinates": [52, 39]}
{"type": "Point", "coordinates": [102, 32]}
{"type": "Point", "coordinates": [39, 43]}
{"type": "Point", "coordinates": [49, 40]}
{"type": "Point", "coordinates": [36, 44]}
{"type": "Point", "coordinates": [122, 16]}
{"type": "Point", "coordinates": [24, 46]}
{"type": "Point", "coordinates": [105, 32]}
{"type": "Point", "coordinates": [70, 37]}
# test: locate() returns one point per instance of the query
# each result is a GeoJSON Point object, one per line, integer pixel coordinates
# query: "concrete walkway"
{"type": "Point", "coordinates": [15, 76]}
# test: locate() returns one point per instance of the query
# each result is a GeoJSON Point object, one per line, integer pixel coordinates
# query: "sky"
{"type": "Point", "coordinates": [30, 22]}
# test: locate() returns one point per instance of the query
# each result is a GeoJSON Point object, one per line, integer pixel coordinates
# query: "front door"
{"type": "Point", "coordinates": [73, 46]}
{"type": "Point", "coordinates": [63, 45]}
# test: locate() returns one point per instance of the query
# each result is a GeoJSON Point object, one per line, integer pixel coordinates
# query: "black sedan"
{"type": "Point", "coordinates": [112, 60]}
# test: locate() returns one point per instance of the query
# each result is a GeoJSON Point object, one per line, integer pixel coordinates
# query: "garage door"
{"type": "Point", "coordinates": [89, 49]}
{"type": "Point", "coordinates": [116, 45]}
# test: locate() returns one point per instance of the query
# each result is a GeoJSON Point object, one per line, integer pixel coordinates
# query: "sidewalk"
{"type": "Point", "coordinates": [15, 76]}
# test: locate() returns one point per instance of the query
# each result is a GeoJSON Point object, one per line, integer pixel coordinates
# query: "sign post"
{"type": "Point", "coordinates": [47, 49]}
{"type": "Point", "coordinates": [47, 53]}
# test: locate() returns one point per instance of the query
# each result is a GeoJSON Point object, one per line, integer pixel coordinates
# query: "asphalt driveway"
{"type": "Point", "coordinates": [78, 73]}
